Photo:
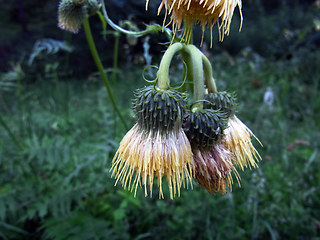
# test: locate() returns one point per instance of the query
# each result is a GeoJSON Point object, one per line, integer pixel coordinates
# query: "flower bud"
{"type": "Point", "coordinates": [159, 110]}
{"type": "Point", "coordinates": [223, 101]}
{"type": "Point", "coordinates": [204, 128]}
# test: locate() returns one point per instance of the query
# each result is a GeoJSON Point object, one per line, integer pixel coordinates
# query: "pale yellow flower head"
{"type": "Point", "coordinates": [237, 136]}
{"type": "Point", "coordinates": [238, 140]}
{"type": "Point", "coordinates": [156, 147]}
{"type": "Point", "coordinates": [144, 156]}
{"type": "Point", "coordinates": [203, 12]}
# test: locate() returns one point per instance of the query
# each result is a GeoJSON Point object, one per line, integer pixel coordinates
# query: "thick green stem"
{"type": "Point", "coordinates": [13, 137]}
{"type": "Point", "coordinates": [99, 65]}
{"type": "Point", "coordinates": [209, 80]}
{"type": "Point", "coordinates": [163, 72]}
{"type": "Point", "coordinates": [198, 76]}
{"type": "Point", "coordinates": [189, 71]}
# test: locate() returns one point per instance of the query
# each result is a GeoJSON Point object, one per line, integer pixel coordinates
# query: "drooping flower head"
{"type": "Point", "coordinates": [72, 12]}
{"type": "Point", "coordinates": [213, 161]}
{"type": "Point", "coordinates": [237, 136]}
{"type": "Point", "coordinates": [214, 168]}
{"type": "Point", "coordinates": [238, 141]}
{"type": "Point", "coordinates": [156, 146]}
{"type": "Point", "coordinates": [203, 12]}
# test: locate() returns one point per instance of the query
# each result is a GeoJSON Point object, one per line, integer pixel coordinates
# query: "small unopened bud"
{"type": "Point", "coordinates": [204, 128]}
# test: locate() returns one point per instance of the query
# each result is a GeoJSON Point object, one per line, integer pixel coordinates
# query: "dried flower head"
{"type": "Point", "coordinates": [204, 12]}
{"type": "Point", "coordinates": [156, 146]}
{"type": "Point", "coordinates": [72, 12]}
{"type": "Point", "coordinates": [70, 15]}
{"type": "Point", "coordinates": [213, 168]}
{"type": "Point", "coordinates": [213, 161]}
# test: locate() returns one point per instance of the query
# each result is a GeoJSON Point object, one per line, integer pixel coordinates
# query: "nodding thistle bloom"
{"type": "Point", "coordinates": [213, 161]}
{"type": "Point", "coordinates": [237, 136]}
{"type": "Point", "coordinates": [238, 141]}
{"type": "Point", "coordinates": [72, 12]}
{"type": "Point", "coordinates": [204, 12]}
{"type": "Point", "coordinates": [156, 146]}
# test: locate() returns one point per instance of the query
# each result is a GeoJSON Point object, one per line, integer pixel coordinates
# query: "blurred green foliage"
{"type": "Point", "coordinates": [58, 137]}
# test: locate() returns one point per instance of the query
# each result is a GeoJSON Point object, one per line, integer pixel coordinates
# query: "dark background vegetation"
{"type": "Point", "coordinates": [58, 132]}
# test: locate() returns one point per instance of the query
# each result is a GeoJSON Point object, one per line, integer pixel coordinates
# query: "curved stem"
{"type": "Point", "coordinates": [189, 72]}
{"type": "Point", "coordinates": [149, 29]}
{"type": "Point", "coordinates": [163, 72]}
{"type": "Point", "coordinates": [198, 76]}
{"type": "Point", "coordinates": [99, 65]}
{"type": "Point", "coordinates": [104, 25]}
{"type": "Point", "coordinates": [209, 80]}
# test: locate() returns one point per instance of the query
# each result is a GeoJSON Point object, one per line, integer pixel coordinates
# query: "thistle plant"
{"type": "Point", "coordinates": [205, 128]}
{"type": "Point", "coordinates": [179, 136]}
{"type": "Point", "coordinates": [157, 145]}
